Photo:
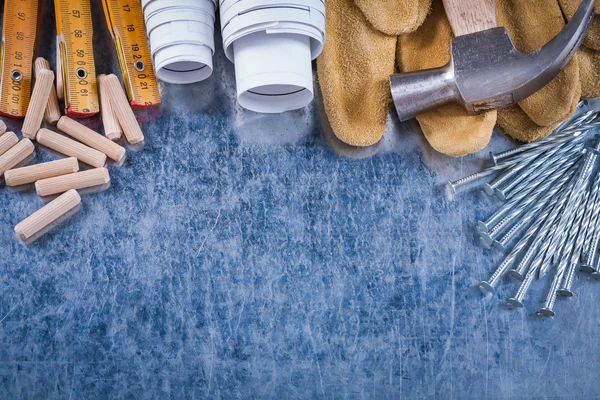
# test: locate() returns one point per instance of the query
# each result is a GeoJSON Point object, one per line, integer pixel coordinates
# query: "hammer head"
{"type": "Point", "coordinates": [486, 72]}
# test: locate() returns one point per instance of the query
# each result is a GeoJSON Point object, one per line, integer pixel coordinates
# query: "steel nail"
{"type": "Point", "coordinates": [517, 300]}
{"type": "Point", "coordinates": [520, 171]}
{"type": "Point", "coordinates": [571, 248]}
{"type": "Point", "coordinates": [491, 187]}
{"type": "Point", "coordinates": [538, 171]}
{"type": "Point", "coordinates": [570, 124]}
{"type": "Point", "coordinates": [588, 227]}
{"type": "Point", "coordinates": [550, 199]}
{"type": "Point", "coordinates": [589, 254]}
{"type": "Point", "coordinates": [577, 131]}
{"type": "Point", "coordinates": [494, 158]}
{"type": "Point", "coordinates": [540, 229]}
{"type": "Point", "coordinates": [451, 187]}
{"type": "Point", "coordinates": [549, 231]}
{"type": "Point", "coordinates": [590, 240]}
{"type": "Point", "coordinates": [547, 204]}
{"type": "Point", "coordinates": [567, 282]}
{"type": "Point", "coordinates": [519, 272]}
{"type": "Point", "coordinates": [570, 207]}
{"type": "Point", "coordinates": [564, 245]}
{"type": "Point", "coordinates": [489, 285]}
{"type": "Point", "coordinates": [546, 184]}
{"type": "Point", "coordinates": [548, 309]}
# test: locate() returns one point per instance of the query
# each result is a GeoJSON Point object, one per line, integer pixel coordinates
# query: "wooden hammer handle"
{"type": "Point", "coordinates": [469, 16]}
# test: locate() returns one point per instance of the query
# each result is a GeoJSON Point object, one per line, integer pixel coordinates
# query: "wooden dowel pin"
{"type": "Point", "coordinates": [2, 127]}
{"type": "Point", "coordinates": [37, 103]}
{"type": "Point", "coordinates": [71, 148]}
{"type": "Point", "coordinates": [93, 139]}
{"type": "Point", "coordinates": [15, 155]}
{"type": "Point", "coordinates": [52, 111]}
{"type": "Point", "coordinates": [112, 128]}
{"type": "Point", "coordinates": [122, 109]}
{"type": "Point", "coordinates": [7, 140]}
{"type": "Point", "coordinates": [77, 180]}
{"type": "Point", "coordinates": [32, 173]}
{"type": "Point", "coordinates": [60, 93]}
{"type": "Point", "coordinates": [46, 215]}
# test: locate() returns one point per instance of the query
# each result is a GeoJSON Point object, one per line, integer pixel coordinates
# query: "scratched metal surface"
{"type": "Point", "coordinates": [240, 255]}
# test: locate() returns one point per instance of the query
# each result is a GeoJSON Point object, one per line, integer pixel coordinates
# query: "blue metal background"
{"type": "Point", "coordinates": [241, 255]}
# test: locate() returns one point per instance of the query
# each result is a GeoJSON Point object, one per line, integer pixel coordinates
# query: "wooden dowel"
{"type": "Point", "coordinates": [2, 127]}
{"type": "Point", "coordinates": [122, 109]}
{"type": "Point", "coordinates": [7, 140]}
{"type": "Point", "coordinates": [59, 78]}
{"type": "Point", "coordinates": [52, 112]}
{"type": "Point", "coordinates": [93, 139]}
{"type": "Point", "coordinates": [112, 128]}
{"type": "Point", "coordinates": [71, 148]}
{"type": "Point", "coordinates": [77, 180]}
{"type": "Point", "coordinates": [46, 215]}
{"type": "Point", "coordinates": [32, 173]}
{"type": "Point", "coordinates": [15, 155]}
{"type": "Point", "coordinates": [37, 104]}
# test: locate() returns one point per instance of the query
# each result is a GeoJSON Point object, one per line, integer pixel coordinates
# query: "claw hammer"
{"type": "Point", "coordinates": [486, 72]}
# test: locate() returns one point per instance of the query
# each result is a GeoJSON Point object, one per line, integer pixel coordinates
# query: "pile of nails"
{"type": "Point", "coordinates": [550, 219]}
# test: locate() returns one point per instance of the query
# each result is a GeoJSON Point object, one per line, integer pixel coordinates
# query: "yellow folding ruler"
{"type": "Point", "coordinates": [19, 29]}
{"type": "Point", "coordinates": [126, 24]}
{"type": "Point", "coordinates": [74, 30]}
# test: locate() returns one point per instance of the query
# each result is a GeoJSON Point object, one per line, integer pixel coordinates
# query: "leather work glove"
{"type": "Point", "coordinates": [357, 61]}
{"type": "Point", "coordinates": [354, 79]}
{"type": "Point", "coordinates": [530, 24]}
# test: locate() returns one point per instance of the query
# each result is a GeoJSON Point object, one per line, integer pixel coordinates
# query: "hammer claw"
{"type": "Point", "coordinates": [556, 54]}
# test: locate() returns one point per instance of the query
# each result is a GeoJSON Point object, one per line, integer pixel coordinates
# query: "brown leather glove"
{"type": "Point", "coordinates": [357, 61]}
{"type": "Point", "coordinates": [359, 56]}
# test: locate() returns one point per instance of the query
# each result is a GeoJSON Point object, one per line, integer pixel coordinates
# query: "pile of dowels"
{"type": "Point", "coordinates": [79, 144]}
{"type": "Point", "coordinates": [550, 219]}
